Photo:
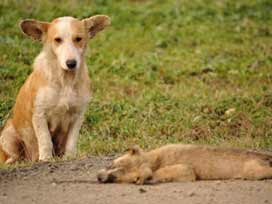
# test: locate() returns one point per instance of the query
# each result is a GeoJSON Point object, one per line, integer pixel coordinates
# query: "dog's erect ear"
{"type": "Point", "coordinates": [34, 29]}
{"type": "Point", "coordinates": [135, 150]}
{"type": "Point", "coordinates": [95, 24]}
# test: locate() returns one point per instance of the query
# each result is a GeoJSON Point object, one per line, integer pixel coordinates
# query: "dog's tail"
{"type": "Point", "coordinates": [3, 155]}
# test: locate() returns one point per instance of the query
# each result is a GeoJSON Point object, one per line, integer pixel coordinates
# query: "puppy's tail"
{"type": "Point", "coordinates": [265, 156]}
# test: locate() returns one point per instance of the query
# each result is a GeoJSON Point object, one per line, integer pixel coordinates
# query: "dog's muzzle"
{"type": "Point", "coordinates": [71, 64]}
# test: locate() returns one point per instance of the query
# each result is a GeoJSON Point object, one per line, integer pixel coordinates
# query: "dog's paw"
{"type": "Point", "coordinates": [10, 160]}
{"type": "Point", "coordinates": [46, 158]}
{"type": "Point", "coordinates": [69, 156]}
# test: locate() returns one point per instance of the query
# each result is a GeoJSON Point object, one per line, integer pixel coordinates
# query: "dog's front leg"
{"type": "Point", "coordinates": [72, 137]}
{"type": "Point", "coordinates": [43, 136]}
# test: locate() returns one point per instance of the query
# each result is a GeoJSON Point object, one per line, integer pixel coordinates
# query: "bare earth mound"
{"type": "Point", "coordinates": [75, 182]}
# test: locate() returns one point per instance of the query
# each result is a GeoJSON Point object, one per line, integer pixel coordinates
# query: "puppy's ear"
{"type": "Point", "coordinates": [34, 29]}
{"type": "Point", "coordinates": [95, 24]}
{"type": "Point", "coordinates": [135, 150]}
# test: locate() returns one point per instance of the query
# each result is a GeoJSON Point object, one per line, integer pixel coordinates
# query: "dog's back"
{"type": "Point", "coordinates": [211, 162]}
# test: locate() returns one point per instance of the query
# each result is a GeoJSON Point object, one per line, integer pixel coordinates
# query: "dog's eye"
{"type": "Point", "coordinates": [58, 40]}
{"type": "Point", "coordinates": [78, 39]}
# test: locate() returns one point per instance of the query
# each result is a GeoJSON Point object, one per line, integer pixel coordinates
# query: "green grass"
{"type": "Point", "coordinates": [165, 71]}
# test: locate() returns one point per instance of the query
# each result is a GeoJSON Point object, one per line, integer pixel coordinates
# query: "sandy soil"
{"type": "Point", "coordinates": [75, 182]}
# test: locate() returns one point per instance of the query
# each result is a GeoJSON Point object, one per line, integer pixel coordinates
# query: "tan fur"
{"type": "Point", "coordinates": [178, 162]}
{"type": "Point", "coordinates": [49, 108]}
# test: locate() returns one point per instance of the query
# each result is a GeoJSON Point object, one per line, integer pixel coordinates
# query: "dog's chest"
{"type": "Point", "coordinates": [62, 106]}
{"type": "Point", "coordinates": [66, 101]}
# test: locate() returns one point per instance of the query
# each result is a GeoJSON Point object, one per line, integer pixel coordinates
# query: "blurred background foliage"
{"type": "Point", "coordinates": [192, 71]}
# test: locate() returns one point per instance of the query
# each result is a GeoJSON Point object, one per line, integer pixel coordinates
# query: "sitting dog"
{"type": "Point", "coordinates": [49, 108]}
{"type": "Point", "coordinates": [177, 162]}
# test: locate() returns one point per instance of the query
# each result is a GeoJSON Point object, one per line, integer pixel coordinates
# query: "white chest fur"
{"type": "Point", "coordinates": [60, 105]}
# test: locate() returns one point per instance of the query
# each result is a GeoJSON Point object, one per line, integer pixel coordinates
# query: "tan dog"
{"type": "Point", "coordinates": [49, 108]}
{"type": "Point", "coordinates": [178, 162]}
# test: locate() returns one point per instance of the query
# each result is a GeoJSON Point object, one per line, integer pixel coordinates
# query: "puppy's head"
{"type": "Point", "coordinates": [123, 169]}
{"type": "Point", "coordinates": [66, 37]}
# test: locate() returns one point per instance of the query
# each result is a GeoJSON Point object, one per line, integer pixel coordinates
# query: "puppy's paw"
{"type": "Point", "coordinates": [139, 181]}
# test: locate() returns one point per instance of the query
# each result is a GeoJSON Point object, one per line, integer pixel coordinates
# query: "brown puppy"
{"type": "Point", "coordinates": [49, 108]}
{"type": "Point", "coordinates": [177, 162]}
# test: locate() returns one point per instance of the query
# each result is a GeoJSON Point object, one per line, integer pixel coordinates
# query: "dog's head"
{"type": "Point", "coordinates": [66, 37]}
{"type": "Point", "coordinates": [125, 169]}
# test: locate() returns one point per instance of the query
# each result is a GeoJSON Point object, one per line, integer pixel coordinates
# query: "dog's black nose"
{"type": "Point", "coordinates": [71, 64]}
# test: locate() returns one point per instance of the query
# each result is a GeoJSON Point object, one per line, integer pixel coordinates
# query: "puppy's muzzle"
{"type": "Point", "coordinates": [104, 177]}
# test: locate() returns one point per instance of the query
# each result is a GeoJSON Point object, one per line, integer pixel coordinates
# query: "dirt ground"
{"type": "Point", "coordinates": [75, 182]}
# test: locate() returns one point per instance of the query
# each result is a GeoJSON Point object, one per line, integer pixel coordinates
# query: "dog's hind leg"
{"type": "Point", "coordinates": [255, 170]}
{"type": "Point", "coordinates": [174, 173]}
{"type": "Point", "coordinates": [10, 143]}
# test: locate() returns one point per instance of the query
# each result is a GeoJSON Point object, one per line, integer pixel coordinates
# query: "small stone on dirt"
{"type": "Point", "coordinates": [142, 190]}
{"type": "Point", "coordinates": [218, 183]}
{"type": "Point", "coordinates": [258, 189]}
{"type": "Point", "coordinates": [54, 184]}
{"type": "Point", "coordinates": [88, 166]}
{"type": "Point", "coordinates": [212, 195]}
{"type": "Point", "coordinates": [74, 168]}
{"type": "Point", "coordinates": [191, 194]}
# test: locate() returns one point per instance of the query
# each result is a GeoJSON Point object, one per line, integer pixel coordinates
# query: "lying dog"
{"type": "Point", "coordinates": [177, 162]}
{"type": "Point", "coordinates": [49, 108]}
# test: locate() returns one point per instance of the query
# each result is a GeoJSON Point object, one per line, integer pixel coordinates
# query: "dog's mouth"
{"type": "Point", "coordinates": [69, 70]}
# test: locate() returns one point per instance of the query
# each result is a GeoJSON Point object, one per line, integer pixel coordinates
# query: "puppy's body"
{"type": "Point", "coordinates": [187, 163]}
{"type": "Point", "coordinates": [49, 108]}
